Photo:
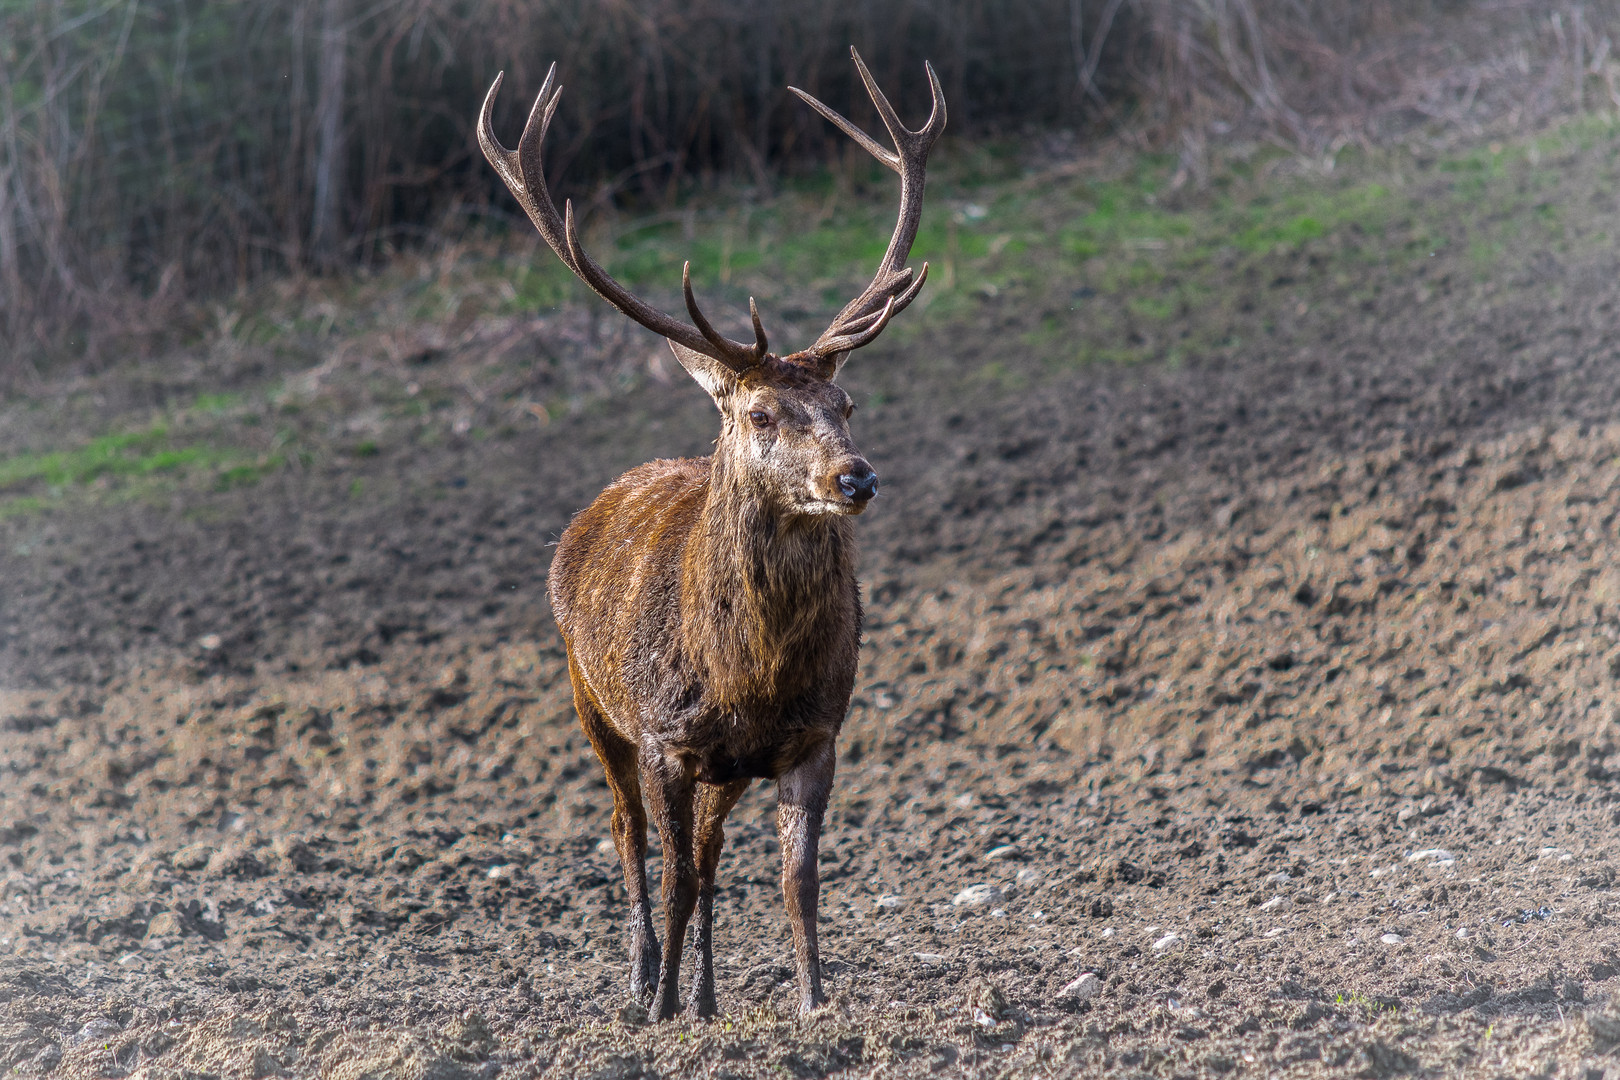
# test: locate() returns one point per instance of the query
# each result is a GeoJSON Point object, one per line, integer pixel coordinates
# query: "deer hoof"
{"type": "Point", "coordinates": [668, 1006]}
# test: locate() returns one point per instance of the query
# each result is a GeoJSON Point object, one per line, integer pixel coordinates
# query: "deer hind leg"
{"type": "Point", "coordinates": [714, 802]}
{"type": "Point", "coordinates": [670, 784]}
{"type": "Point", "coordinates": [619, 760]}
{"type": "Point", "coordinates": [800, 807]}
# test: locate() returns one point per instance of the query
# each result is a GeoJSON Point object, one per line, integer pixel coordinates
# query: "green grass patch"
{"type": "Point", "coordinates": [215, 404]}
{"type": "Point", "coordinates": [137, 453]}
{"type": "Point", "coordinates": [247, 474]}
{"type": "Point", "coordinates": [125, 464]}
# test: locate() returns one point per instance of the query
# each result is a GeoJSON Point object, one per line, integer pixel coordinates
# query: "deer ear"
{"type": "Point", "coordinates": [710, 373]}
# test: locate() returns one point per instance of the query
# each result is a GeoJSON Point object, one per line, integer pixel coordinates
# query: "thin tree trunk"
{"type": "Point", "coordinates": [11, 287]}
{"type": "Point", "coordinates": [764, 85]}
{"type": "Point", "coordinates": [325, 220]}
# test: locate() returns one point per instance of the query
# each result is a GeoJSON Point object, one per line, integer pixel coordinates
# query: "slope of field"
{"type": "Point", "coordinates": [1269, 678]}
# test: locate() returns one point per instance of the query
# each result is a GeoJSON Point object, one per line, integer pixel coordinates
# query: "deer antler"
{"type": "Point", "coordinates": [864, 317]}
{"type": "Point", "coordinates": [523, 171]}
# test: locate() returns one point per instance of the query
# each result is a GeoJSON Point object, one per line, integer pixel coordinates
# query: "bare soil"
{"type": "Point", "coordinates": [1275, 691]}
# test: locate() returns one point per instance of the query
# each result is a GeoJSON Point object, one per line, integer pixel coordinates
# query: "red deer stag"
{"type": "Point", "coordinates": [709, 606]}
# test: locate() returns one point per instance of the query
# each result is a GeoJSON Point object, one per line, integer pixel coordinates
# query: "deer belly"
{"type": "Point", "coordinates": [723, 764]}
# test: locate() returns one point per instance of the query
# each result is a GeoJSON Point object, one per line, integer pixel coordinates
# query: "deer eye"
{"type": "Point", "coordinates": [760, 418]}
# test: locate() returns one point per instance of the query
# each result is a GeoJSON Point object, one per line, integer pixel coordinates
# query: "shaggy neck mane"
{"type": "Point", "coordinates": [763, 591]}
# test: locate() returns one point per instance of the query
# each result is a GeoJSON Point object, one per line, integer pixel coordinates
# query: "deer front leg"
{"type": "Point", "coordinates": [618, 756]}
{"type": "Point", "coordinates": [630, 838]}
{"type": "Point", "coordinates": [714, 802]}
{"type": "Point", "coordinates": [801, 804]}
{"type": "Point", "coordinates": [670, 786]}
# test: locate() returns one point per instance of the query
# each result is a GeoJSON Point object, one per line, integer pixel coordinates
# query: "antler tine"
{"type": "Point", "coordinates": [850, 342]}
{"type": "Point", "coordinates": [901, 301]}
{"type": "Point", "coordinates": [871, 145]}
{"type": "Point", "coordinates": [523, 172]}
{"type": "Point", "coordinates": [746, 355]}
{"type": "Point", "coordinates": [761, 346]}
{"type": "Point", "coordinates": [922, 139]}
{"type": "Point", "coordinates": [892, 288]}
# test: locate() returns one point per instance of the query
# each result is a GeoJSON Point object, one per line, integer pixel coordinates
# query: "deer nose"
{"type": "Point", "coordinates": [860, 484]}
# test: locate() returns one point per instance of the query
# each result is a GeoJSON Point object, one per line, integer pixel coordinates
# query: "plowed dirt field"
{"type": "Point", "coordinates": [1276, 690]}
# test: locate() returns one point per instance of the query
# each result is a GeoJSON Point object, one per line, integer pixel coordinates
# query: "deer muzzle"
{"type": "Point", "coordinates": [859, 484]}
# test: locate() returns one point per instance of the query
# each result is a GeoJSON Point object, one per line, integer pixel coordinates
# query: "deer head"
{"type": "Point", "coordinates": [785, 429]}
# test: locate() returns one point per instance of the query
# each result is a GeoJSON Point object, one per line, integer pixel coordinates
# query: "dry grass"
{"type": "Point", "coordinates": [152, 156]}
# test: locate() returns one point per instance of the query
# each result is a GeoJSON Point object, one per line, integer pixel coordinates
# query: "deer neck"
{"type": "Point", "coordinates": [765, 591]}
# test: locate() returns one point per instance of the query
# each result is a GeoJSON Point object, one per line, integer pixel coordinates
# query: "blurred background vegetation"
{"type": "Point", "coordinates": [154, 152]}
